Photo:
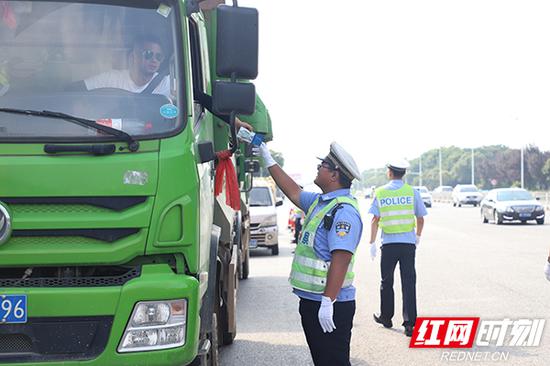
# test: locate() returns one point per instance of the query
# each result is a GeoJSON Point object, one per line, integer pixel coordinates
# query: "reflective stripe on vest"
{"type": "Point", "coordinates": [309, 272]}
{"type": "Point", "coordinates": [396, 209]}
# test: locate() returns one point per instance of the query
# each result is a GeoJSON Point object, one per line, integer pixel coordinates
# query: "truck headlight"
{"type": "Point", "coordinates": [155, 325]}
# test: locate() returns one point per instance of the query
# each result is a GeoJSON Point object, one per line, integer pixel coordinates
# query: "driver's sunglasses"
{"type": "Point", "coordinates": [325, 164]}
{"type": "Point", "coordinates": [149, 54]}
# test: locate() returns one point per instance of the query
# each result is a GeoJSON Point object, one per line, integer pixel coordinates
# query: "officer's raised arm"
{"type": "Point", "coordinates": [289, 187]}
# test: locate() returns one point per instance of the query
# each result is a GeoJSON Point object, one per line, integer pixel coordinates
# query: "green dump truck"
{"type": "Point", "coordinates": [114, 249]}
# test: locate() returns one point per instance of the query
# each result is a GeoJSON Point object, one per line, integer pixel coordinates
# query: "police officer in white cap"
{"type": "Point", "coordinates": [397, 208]}
{"type": "Point", "coordinates": [322, 269]}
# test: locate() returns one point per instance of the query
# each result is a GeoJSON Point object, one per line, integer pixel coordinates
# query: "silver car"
{"type": "Point", "coordinates": [425, 194]}
{"type": "Point", "coordinates": [511, 204]}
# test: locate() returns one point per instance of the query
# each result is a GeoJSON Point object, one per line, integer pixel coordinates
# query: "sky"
{"type": "Point", "coordinates": [392, 79]}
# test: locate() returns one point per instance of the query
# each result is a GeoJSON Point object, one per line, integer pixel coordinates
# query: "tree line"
{"type": "Point", "coordinates": [495, 166]}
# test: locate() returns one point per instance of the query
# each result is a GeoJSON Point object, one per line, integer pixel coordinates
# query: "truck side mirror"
{"type": "Point", "coordinates": [279, 202]}
{"type": "Point", "coordinates": [236, 59]}
{"type": "Point", "coordinates": [230, 97]}
{"type": "Point", "coordinates": [237, 42]}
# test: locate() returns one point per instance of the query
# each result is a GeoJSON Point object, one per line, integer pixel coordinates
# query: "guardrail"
{"type": "Point", "coordinates": [542, 196]}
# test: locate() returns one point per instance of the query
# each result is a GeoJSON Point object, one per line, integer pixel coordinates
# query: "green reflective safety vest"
{"type": "Point", "coordinates": [396, 209]}
{"type": "Point", "coordinates": [309, 272]}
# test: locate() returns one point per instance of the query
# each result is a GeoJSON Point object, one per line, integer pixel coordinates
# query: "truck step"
{"type": "Point", "coordinates": [204, 347]}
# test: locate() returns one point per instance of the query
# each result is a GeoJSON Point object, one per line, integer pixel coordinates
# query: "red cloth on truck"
{"type": "Point", "coordinates": [226, 168]}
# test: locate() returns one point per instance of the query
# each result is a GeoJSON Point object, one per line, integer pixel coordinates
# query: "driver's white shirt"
{"type": "Point", "coordinates": [120, 79]}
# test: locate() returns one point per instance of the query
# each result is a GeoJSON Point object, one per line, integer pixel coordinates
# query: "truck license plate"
{"type": "Point", "coordinates": [13, 309]}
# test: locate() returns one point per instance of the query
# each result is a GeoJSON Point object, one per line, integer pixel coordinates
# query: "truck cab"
{"type": "Point", "coordinates": [114, 248]}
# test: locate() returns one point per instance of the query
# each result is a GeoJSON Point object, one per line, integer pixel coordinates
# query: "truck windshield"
{"type": "Point", "coordinates": [259, 196]}
{"type": "Point", "coordinates": [114, 63]}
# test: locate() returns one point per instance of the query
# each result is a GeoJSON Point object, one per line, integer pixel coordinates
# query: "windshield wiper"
{"type": "Point", "coordinates": [133, 145]}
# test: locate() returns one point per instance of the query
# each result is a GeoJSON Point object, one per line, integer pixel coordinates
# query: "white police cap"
{"type": "Point", "coordinates": [344, 161]}
{"type": "Point", "coordinates": [399, 165]}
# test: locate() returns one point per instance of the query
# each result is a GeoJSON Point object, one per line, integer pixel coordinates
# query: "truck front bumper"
{"type": "Point", "coordinates": [84, 325]}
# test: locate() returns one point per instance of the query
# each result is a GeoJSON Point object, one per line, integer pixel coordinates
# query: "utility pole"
{"type": "Point", "coordinates": [472, 165]}
{"type": "Point", "coordinates": [440, 172]}
{"type": "Point", "coordinates": [420, 169]}
{"type": "Point", "coordinates": [521, 166]}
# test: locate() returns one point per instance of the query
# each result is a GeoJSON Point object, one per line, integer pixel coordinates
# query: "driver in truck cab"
{"type": "Point", "coordinates": [144, 62]}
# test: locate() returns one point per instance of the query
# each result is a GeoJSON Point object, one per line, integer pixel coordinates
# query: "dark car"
{"type": "Point", "coordinates": [511, 204]}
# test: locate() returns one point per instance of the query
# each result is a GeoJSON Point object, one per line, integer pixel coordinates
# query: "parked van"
{"type": "Point", "coordinates": [264, 231]}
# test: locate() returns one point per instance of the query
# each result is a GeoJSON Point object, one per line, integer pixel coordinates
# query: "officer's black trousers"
{"type": "Point", "coordinates": [391, 255]}
{"type": "Point", "coordinates": [328, 349]}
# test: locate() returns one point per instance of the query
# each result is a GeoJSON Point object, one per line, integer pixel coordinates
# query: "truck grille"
{"type": "Point", "coordinates": [54, 339]}
{"type": "Point", "coordinates": [52, 209]}
{"type": "Point", "coordinates": [68, 281]}
{"type": "Point", "coordinates": [116, 203]}
{"type": "Point", "coordinates": [15, 343]}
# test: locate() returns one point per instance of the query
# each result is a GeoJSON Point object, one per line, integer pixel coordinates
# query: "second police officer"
{"type": "Point", "coordinates": [322, 269]}
{"type": "Point", "coordinates": [397, 208]}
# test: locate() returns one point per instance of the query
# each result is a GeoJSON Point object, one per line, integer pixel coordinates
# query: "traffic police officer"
{"type": "Point", "coordinates": [322, 269]}
{"type": "Point", "coordinates": [394, 208]}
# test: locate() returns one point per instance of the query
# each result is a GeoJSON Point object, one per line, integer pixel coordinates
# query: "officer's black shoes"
{"type": "Point", "coordinates": [408, 330]}
{"type": "Point", "coordinates": [384, 322]}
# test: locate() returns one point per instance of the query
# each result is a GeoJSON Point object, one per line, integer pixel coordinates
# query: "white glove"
{"type": "Point", "coordinates": [547, 270]}
{"type": "Point", "coordinates": [417, 240]}
{"type": "Point", "coordinates": [325, 315]}
{"type": "Point", "coordinates": [373, 250]}
{"type": "Point", "coordinates": [266, 156]}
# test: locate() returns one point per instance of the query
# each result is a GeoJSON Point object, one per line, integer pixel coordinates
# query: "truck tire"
{"type": "Point", "coordinates": [225, 305]}
{"type": "Point", "coordinates": [275, 249]}
{"type": "Point", "coordinates": [213, 357]}
{"type": "Point", "coordinates": [227, 338]}
{"type": "Point", "coordinates": [246, 264]}
{"type": "Point", "coordinates": [240, 263]}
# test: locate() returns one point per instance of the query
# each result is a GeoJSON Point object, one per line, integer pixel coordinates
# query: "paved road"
{"type": "Point", "coordinates": [464, 268]}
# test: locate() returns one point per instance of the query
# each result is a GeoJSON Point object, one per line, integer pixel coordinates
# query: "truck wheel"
{"type": "Point", "coordinates": [239, 262]}
{"type": "Point", "coordinates": [275, 249]}
{"type": "Point", "coordinates": [213, 357]}
{"type": "Point", "coordinates": [228, 338]}
{"type": "Point", "coordinates": [246, 265]}
{"type": "Point", "coordinates": [224, 337]}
